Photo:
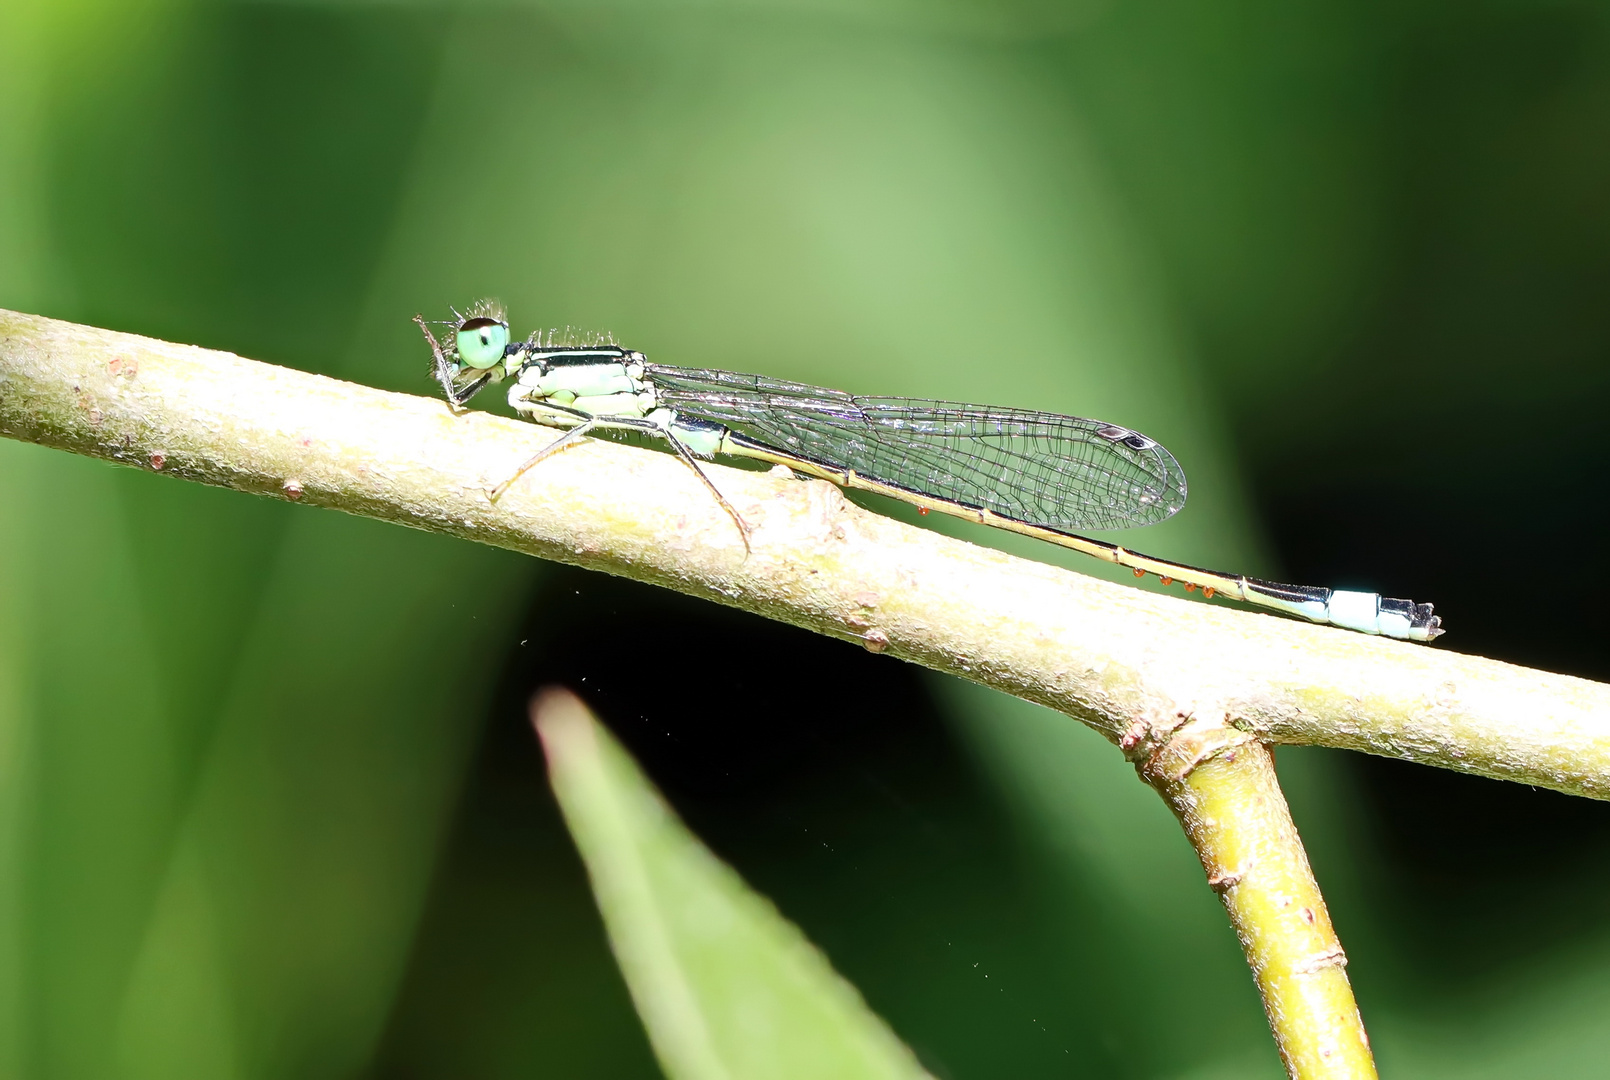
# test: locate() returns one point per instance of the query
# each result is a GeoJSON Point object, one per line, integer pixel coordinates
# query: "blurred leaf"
{"type": "Point", "coordinates": [725, 985]}
{"type": "Point", "coordinates": [15, 776]}
{"type": "Point", "coordinates": [285, 911]}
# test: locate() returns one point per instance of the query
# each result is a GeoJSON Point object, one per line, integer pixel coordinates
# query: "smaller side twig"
{"type": "Point", "coordinates": [1220, 783]}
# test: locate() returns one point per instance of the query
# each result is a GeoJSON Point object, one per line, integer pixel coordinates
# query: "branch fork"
{"type": "Point", "coordinates": [1220, 782]}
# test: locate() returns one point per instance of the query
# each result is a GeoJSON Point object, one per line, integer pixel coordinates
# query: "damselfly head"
{"type": "Point", "coordinates": [481, 336]}
{"type": "Point", "coordinates": [480, 343]}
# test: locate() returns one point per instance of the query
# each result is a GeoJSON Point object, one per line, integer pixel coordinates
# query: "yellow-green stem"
{"type": "Point", "coordinates": [1221, 784]}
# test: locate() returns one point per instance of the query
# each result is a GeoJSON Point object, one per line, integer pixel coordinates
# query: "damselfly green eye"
{"type": "Point", "coordinates": [482, 341]}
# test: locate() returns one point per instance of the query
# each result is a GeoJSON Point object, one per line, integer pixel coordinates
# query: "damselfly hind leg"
{"type": "Point", "coordinates": [569, 438]}
{"type": "Point", "coordinates": [558, 415]}
{"type": "Point", "coordinates": [687, 456]}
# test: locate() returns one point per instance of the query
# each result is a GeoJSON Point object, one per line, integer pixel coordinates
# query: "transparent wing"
{"type": "Point", "coordinates": [1034, 467]}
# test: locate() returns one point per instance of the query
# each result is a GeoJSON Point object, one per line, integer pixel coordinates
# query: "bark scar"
{"type": "Point", "coordinates": [1330, 958]}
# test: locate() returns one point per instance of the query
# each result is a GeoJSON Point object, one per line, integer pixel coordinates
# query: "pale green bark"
{"type": "Point", "coordinates": [1111, 656]}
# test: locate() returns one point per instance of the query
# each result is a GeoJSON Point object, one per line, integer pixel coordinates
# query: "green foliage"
{"type": "Point", "coordinates": [726, 985]}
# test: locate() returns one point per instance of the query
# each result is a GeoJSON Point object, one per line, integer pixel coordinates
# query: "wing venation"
{"type": "Point", "coordinates": [1034, 467]}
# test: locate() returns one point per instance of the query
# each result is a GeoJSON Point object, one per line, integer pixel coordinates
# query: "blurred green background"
{"type": "Point", "coordinates": [268, 803]}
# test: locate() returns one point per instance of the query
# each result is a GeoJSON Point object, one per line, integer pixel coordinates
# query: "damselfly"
{"type": "Point", "coordinates": [1036, 473]}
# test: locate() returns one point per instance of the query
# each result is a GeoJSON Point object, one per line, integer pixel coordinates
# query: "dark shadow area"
{"type": "Point", "coordinates": [1511, 570]}
{"type": "Point", "coordinates": [823, 773]}
{"type": "Point", "coordinates": [1470, 876]}
{"type": "Point", "coordinates": [1474, 875]}
{"type": "Point", "coordinates": [1452, 449]}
